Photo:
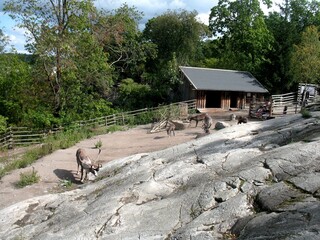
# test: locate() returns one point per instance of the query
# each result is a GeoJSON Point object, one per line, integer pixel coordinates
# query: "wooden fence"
{"type": "Point", "coordinates": [279, 105]}
{"type": "Point", "coordinates": [15, 136]}
{"type": "Point", "coordinates": [284, 104]}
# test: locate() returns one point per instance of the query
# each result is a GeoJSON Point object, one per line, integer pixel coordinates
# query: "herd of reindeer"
{"type": "Point", "coordinates": [201, 117]}
{"type": "Point", "coordinates": [86, 165]}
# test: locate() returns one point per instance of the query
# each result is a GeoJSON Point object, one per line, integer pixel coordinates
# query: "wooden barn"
{"type": "Point", "coordinates": [220, 89]}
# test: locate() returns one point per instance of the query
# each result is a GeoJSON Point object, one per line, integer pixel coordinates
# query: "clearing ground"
{"type": "Point", "coordinates": [61, 164]}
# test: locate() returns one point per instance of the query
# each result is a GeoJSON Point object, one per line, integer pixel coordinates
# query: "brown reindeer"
{"type": "Point", "coordinates": [242, 119]}
{"type": "Point", "coordinates": [197, 118]}
{"type": "Point", "coordinates": [170, 127]}
{"type": "Point", "coordinates": [86, 165]}
{"type": "Point", "coordinates": [207, 122]}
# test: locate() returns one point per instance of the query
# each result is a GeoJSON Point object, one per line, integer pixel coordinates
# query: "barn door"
{"type": "Point", "coordinates": [213, 99]}
{"type": "Point", "coordinates": [233, 100]}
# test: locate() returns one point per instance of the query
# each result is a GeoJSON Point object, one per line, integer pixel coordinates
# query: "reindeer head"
{"type": "Point", "coordinates": [94, 169]}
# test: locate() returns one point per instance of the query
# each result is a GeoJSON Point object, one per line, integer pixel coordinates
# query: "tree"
{"type": "Point", "coordinates": [134, 95]}
{"type": "Point", "coordinates": [16, 90]}
{"type": "Point", "coordinates": [177, 36]}
{"type": "Point", "coordinates": [118, 33]}
{"type": "Point", "coordinates": [70, 64]}
{"type": "Point", "coordinates": [3, 41]}
{"type": "Point", "coordinates": [286, 28]}
{"type": "Point", "coordinates": [305, 61]}
{"type": "Point", "coordinates": [176, 33]}
{"type": "Point", "coordinates": [246, 39]}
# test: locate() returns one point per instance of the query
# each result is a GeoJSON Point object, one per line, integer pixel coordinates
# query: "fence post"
{"type": "Point", "coordinates": [11, 142]}
{"type": "Point", "coordinates": [114, 119]}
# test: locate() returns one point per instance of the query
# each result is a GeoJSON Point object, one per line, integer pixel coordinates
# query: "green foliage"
{"type": "Point", "coordinates": [69, 137]}
{"type": "Point", "coordinates": [98, 144]}
{"type": "Point", "coordinates": [286, 27]}
{"type": "Point", "coordinates": [15, 89]}
{"type": "Point", "coordinates": [166, 112]}
{"type": "Point", "coordinates": [178, 36]}
{"type": "Point", "coordinates": [144, 118]}
{"type": "Point", "coordinates": [70, 63]}
{"type": "Point", "coordinates": [305, 61]}
{"type": "Point", "coordinates": [41, 119]}
{"type": "Point", "coordinates": [118, 33]}
{"type": "Point", "coordinates": [176, 32]}
{"type": "Point", "coordinates": [3, 123]}
{"type": "Point", "coordinates": [80, 55]}
{"type": "Point", "coordinates": [139, 119]}
{"type": "Point", "coordinates": [66, 183]}
{"type": "Point", "coordinates": [3, 41]}
{"type": "Point", "coordinates": [28, 178]}
{"type": "Point", "coordinates": [114, 128]}
{"type": "Point", "coordinates": [133, 95]}
{"type": "Point", "coordinates": [246, 38]}
{"type": "Point", "coordinates": [305, 113]}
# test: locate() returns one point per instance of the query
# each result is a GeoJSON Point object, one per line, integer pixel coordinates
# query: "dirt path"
{"type": "Point", "coordinates": [61, 164]}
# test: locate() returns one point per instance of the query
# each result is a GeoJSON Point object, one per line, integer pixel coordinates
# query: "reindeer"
{"type": "Point", "coordinates": [170, 127]}
{"type": "Point", "coordinates": [197, 118]}
{"type": "Point", "coordinates": [207, 122]}
{"type": "Point", "coordinates": [86, 165]}
{"type": "Point", "coordinates": [242, 119]}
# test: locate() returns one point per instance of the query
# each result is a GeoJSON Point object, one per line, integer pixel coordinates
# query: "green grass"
{"type": "Point", "coordinates": [98, 144]}
{"type": "Point", "coordinates": [66, 183]}
{"type": "Point", "coordinates": [28, 178]}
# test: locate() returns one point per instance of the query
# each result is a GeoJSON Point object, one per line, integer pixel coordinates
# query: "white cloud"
{"type": "Point", "coordinates": [204, 18]}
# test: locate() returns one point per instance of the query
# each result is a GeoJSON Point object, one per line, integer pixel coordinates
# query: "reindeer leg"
{"type": "Point", "coordinates": [82, 179]}
{"type": "Point", "coordinates": [78, 167]}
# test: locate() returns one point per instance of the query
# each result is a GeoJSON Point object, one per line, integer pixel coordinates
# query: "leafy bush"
{"type": "Point", "coordinates": [66, 183]}
{"type": "Point", "coordinates": [3, 123]}
{"type": "Point", "coordinates": [98, 144]}
{"type": "Point", "coordinates": [28, 178]}
{"type": "Point", "coordinates": [144, 118]}
{"type": "Point", "coordinates": [87, 108]}
{"type": "Point", "coordinates": [114, 128]}
{"type": "Point", "coordinates": [305, 113]}
{"type": "Point", "coordinates": [39, 119]}
{"type": "Point", "coordinates": [134, 95]}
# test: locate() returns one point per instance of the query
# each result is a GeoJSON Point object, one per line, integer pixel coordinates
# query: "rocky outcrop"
{"type": "Point", "coordinates": [258, 180]}
{"type": "Point", "coordinates": [180, 125]}
{"type": "Point", "coordinates": [220, 125]}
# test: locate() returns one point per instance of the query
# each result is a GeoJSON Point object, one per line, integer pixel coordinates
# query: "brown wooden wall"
{"type": "Point", "coordinates": [201, 99]}
{"type": "Point", "coordinates": [240, 100]}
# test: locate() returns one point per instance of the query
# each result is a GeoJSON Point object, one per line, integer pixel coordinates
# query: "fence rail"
{"type": "Point", "coordinates": [15, 136]}
{"type": "Point", "coordinates": [280, 104]}
{"type": "Point", "coordinates": [21, 136]}
{"type": "Point", "coordinates": [285, 104]}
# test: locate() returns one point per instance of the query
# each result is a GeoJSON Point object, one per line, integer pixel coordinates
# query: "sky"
{"type": "Point", "coordinates": [150, 9]}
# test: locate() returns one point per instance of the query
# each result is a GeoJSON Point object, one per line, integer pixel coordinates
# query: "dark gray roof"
{"type": "Point", "coordinates": [222, 80]}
